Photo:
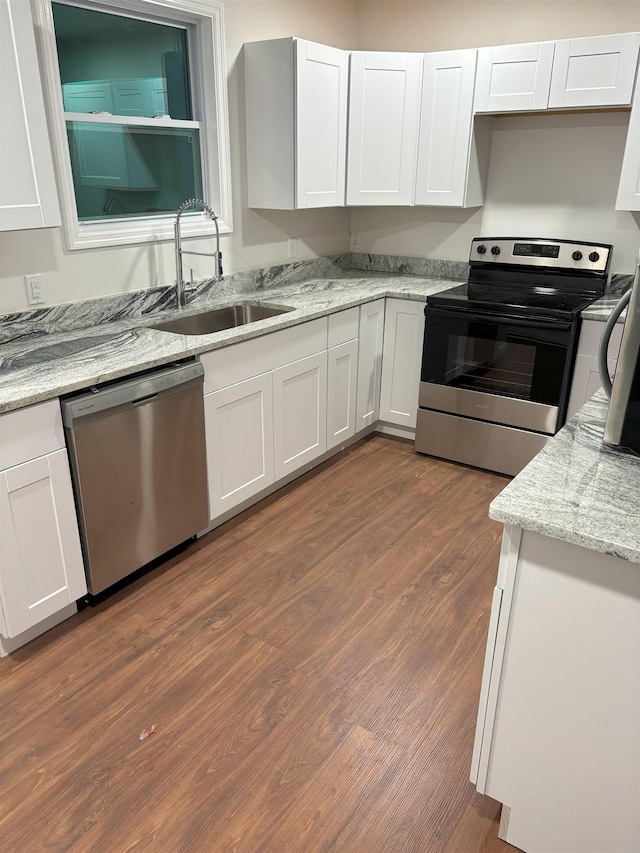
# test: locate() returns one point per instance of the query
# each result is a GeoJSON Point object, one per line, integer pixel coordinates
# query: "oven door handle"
{"type": "Point", "coordinates": [464, 314]}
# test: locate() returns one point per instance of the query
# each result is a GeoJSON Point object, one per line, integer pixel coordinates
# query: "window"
{"type": "Point", "coordinates": [137, 94]}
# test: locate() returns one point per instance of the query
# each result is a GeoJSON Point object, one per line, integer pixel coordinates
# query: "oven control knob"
{"type": "Point", "coordinates": [481, 249]}
{"type": "Point", "coordinates": [577, 256]}
{"type": "Point", "coordinates": [495, 250]}
{"type": "Point", "coordinates": [594, 256]}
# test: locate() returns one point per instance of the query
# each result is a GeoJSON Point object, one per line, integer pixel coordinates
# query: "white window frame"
{"type": "Point", "coordinates": [209, 87]}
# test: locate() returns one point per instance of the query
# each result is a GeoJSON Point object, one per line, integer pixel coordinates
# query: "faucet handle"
{"type": "Point", "coordinates": [189, 288]}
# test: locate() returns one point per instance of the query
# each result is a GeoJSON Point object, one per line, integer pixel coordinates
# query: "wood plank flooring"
{"type": "Point", "coordinates": [313, 668]}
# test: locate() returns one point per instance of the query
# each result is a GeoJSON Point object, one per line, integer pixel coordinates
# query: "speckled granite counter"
{"type": "Point", "coordinates": [35, 367]}
{"type": "Point", "coordinates": [578, 490]}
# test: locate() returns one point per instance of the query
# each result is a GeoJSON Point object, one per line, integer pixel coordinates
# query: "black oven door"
{"type": "Point", "coordinates": [498, 368]}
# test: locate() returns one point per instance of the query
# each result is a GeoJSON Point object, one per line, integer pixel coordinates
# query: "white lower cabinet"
{"type": "Point", "coordinates": [239, 433]}
{"type": "Point", "coordinates": [299, 413]}
{"type": "Point", "coordinates": [265, 411]}
{"type": "Point", "coordinates": [342, 375]}
{"type": "Point", "coordinates": [371, 336]}
{"type": "Point", "coordinates": [41, 567]}
{"type": "Point", "coordinates": [403, 337]}
{"type": "Point", "coordinates": [557, 737]}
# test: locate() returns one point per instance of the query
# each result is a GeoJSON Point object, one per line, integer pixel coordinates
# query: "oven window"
{"type": "Point", "coordinates": [495, 358]}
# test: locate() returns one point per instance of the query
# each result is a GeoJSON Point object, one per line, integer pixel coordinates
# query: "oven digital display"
{"type": "Point", "coordinates": [536, 250]}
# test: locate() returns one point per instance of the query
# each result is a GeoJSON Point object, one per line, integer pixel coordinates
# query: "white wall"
{"type": "Point", "coordinates": [549, 175]}
{"type": "Point", "coordinates": [574, 200]}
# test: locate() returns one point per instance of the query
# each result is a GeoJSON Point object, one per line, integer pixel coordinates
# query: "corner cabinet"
{"type": "Point", "coordinates": [296, 98]}
{"type": "Point", "coordinates": [41, 567]}
{"type": "Point", "coordinates": [28, 196]}
{"type": "Point", "coordinates": [384, 115]}
{"type": "Point", "coordinates": [453, 148]}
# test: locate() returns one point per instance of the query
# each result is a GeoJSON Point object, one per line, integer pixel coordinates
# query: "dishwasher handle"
{"type": "Point", "coordinates": [102, 402]}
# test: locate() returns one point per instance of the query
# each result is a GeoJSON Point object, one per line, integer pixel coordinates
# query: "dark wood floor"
{"type": "Point", "coordinates": [313, 669]}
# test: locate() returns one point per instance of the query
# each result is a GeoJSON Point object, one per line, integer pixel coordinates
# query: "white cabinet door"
{"type": "Point", "coordinates": [299, 413]}
{"type": "Point", "coordinates": [341, 392]}
{"type": "Point", "coordinates": [402, 359]}
{"type": "Point", "coordinates": [452, 152]}
{"type": "Point", "coordinates": [41, 568]}
{"type": "Point", "coordinates": [371, 336]}
{"type": "Point", "coordinates": [513, 77]}
{"type": "Point", "coordinates": [629, 187]}
{"type": "Point", "coordinates": [322, 83]}
{"type": "Point", "coordinates": [28, 196]}
{"type": "Point", "coordinates": [296, 116]}
{"type": "Point", "coordinates": [239, 435]}
{"type": "Point", "coordinates": [384, 111]}
{"type": "Point", "coordinates": [594, 72]}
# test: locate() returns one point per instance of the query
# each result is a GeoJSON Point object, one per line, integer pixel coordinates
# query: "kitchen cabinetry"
{"type": "Point", "coordinates": [299, 413]}
{"type": "Point", "coordinates": [598, 71]}
{"type": "Point", "coordinates": [453, 150]}
{"type": "Point", "coordinates": [371, 339]}
{"type": "Point", "coordinates": [403, 337]}
{"type": "Point", "coordinates": [594, 72]}
{"type": "Point", "coordinates": [28, 196]}
{"type": "Point", "coordinates": [384, 115]}
{"type": "Point", "coordinates": [513, 77]}
{"type": "Point", "coordinates": [342, 374]}
{"type": "Point", "coordinates": [586, 375]}
{"type": "Point", "coordinates": [239, 430]}
{"type": "Point", "coordinates": [41, 567]}
{"type": "Point", "coordinates": [628, 197]}
{"type": "Point", "coordinates": [557, 738]}
{"type": "Point", "coordinates": [265, 411]}
{"type": "Point", "coordinates": [296, 96]}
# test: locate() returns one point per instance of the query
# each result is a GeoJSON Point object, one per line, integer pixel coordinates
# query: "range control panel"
{"type": "Point", "coordinates": [552, 254]}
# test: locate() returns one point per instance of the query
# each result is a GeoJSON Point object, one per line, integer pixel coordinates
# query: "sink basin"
{"type": "Point", "coordinates": [219, 319]}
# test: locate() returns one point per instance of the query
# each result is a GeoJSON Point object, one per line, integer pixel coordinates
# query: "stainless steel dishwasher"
{"type": "Point", "coordinates": [137, 452]}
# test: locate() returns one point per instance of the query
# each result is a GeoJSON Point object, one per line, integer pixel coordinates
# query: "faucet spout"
{"type": "Point", "coordinates": [181, 286]}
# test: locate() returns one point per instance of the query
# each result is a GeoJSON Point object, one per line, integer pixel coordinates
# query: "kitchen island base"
{"type": "Point", "coordinates": [558, 736]}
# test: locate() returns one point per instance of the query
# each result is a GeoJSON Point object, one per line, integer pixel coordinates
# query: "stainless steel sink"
{"type": "Point", "coordinates": [219, 319]}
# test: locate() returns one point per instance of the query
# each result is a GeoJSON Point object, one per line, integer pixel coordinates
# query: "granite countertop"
{"type": "Point", "coordinates": [578, 490]}
{"type": "Point", "coordinates": [34, 368]}
{"type": "Point", "coordinates": [602, 308]}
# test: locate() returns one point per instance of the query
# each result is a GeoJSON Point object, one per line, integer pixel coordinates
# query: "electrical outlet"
{"type": "Point", "coordinates": [35, 293]}
{"type": "Point", "coordinates": [355, 239]}
{"type": "Point", "coordinates": [293, 247]}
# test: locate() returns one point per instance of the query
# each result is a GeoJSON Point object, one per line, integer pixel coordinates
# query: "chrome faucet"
{"type": "Point", "coordinates": [181, 287]}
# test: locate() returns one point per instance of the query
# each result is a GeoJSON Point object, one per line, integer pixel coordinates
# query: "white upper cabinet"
{"type": "Point", "coordinates": [453, 151]}
{"type": "Point", "coordinates": [296, 98]}
{"type": "Point", "coordinates": [28, 196]}
{"type": "Point", "coordinates": [594, 72]}
{"type": "Point", "coordinates": [384, 115]}
{"type": "Point", "coordinates": [514, 77]}
{"type": "Point", "coordinates": [629, 186]}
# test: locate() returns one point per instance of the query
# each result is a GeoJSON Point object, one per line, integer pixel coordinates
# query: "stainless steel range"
{"type": "Point", "coordinates": [499, 350]}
